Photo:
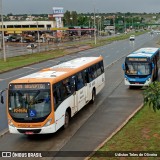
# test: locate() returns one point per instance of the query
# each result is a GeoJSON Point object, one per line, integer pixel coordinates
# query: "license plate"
{"type": "Point", "coordinates": [29, 132]}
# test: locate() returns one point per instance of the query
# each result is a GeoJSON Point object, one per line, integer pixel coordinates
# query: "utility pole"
{"type": "Point", "coordinates": [132, 22]}
{"type": "Point", "coordinates": [95, 39]}
{"type": "Point", "coordinates": [114, 19]}
{"type": "Point", "coordinates": [38, 37]}
{"type": "Point", "coordinates": [3, 42]}
{"type": "Point", "coordinates": [124, 22]}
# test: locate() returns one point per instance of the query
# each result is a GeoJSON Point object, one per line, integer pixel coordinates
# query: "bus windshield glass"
{"type": "Point", "coordinates": [29, 103]}
{"type": "Point", "coordinates": [138, 68]}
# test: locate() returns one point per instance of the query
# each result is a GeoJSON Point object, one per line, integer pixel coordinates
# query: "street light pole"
{"type": "Point", "coordinates": [3, 42]}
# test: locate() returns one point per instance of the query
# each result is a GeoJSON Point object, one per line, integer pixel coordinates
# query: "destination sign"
{"type": "Point", "coordinates": [137, 59]}
{"type": "Point", "coordinates": [29, 86]}
{"type": "Point", "coordinates": [20, 110]}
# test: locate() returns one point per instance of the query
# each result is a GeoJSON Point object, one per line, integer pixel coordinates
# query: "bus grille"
{"type": "Point", "coordinates": [29, 130]}
{"type": "Point", "coordinates": [137, 82]}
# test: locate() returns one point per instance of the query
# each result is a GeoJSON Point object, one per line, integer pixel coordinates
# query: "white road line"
{"type": "Point", "coordinates": [26, 72]}
{"type": "Point", "coordinates": [52, 60]}
{"type": "Point", "coordinates": [16, 75]}
{"type": "Point", "coordinates": [30, 68]}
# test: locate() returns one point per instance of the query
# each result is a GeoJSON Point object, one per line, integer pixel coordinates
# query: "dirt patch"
{"type": "Point", "coordinates": [77, 49]}
{"type": "Point", "coordinates": [145, 132]}
{"type": "Point", "coordinates": [156, 135]}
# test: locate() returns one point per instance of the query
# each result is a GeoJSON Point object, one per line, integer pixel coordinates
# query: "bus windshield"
{"type": "Point", "coordinates": [29, 103]}
{"type": "Point", "coordinates": [138, 68]}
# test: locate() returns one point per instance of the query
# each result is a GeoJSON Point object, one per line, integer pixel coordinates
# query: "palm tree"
{"type": "Point", "coordinates": [152, 95]}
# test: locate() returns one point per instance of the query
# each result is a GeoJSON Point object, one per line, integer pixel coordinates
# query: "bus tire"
{"type": "Point", "coordinates": [93, 96]}
{"type": "Point", "coordinates": [66, 120]}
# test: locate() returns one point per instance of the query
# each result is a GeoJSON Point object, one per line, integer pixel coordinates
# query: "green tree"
{"type": "Point", "coordinates": [152, 95]}
{"type": "Point", "coordinates": [10, 14]}
{"type": "Point", "coordinates": [74, 17]}
{"type": "Point", "coordinates": [67, 18]}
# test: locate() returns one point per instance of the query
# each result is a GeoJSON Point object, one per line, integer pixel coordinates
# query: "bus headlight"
{"type": "Point", "coordinates": [10, 123]}
{"type": "Point", "coordinates": [149, 79]}
{"type": "Point", "coordinates": [48, 122]}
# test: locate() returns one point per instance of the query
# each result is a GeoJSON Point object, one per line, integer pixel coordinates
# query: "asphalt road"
{"type": "Point", "coordinates": [13, 49]}
{"type": "Point", "coordinates": [93, 123]}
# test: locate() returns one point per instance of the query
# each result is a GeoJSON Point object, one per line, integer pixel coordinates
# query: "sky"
{"type": "Point", "coordinates": [80, 6]}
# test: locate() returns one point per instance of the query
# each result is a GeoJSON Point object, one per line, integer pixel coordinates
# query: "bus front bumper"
{"type": "Point", "coordinates": [134, 83]}
{"type": "Point", "coordinates": [44, 130]}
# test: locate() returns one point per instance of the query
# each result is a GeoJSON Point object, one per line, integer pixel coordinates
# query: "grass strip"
{"type": "Point", "coordinates": [24, 60]}
{"type": "Point", "coordinates": [141, 133]}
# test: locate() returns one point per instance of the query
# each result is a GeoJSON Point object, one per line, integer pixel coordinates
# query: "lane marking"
{"type": "Point", "coordinates": [26, 72]}
{"type": "Point", "coordinates": [52, 60]}
{"type": "Point", "coordinates": [30, 68]}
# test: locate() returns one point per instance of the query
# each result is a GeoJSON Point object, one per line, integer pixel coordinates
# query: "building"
{"type": "Point", "coordinates": [19, 26]}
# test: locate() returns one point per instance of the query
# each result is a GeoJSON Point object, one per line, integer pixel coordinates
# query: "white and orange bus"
{"type": "Point", "coordinates": [45, 101]}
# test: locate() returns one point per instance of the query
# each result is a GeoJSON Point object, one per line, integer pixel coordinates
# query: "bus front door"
{"type": "Point", "coordinates": [75, 99]}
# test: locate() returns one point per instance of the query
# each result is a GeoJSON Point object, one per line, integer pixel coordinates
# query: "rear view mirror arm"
{"type": "Point", "coordinates": [1, 92]}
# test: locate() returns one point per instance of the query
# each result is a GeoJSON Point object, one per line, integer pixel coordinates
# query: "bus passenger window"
{"type": "Point", "coordinates": [85, 75]}
{"type": "Point", "coordinates": [57, 95]}
{"type": "Point", "coordinates": [93, 72]}
{"type": "Point", "coordinates": [67, 86]}
{"type": "Point", "coordinates": [102, 67]}
{"type": "Point", "coordinates": [80, 82]}
{"type": "Point", "coordinates": [90, 77]}
{"type": "Point", "coordinates": [98, 67]}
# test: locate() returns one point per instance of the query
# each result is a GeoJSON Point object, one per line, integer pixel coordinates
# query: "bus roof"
{"type": "Point", "coordinates": [60, 71]}
{"type": "Point", "coordinates": [144, 52]}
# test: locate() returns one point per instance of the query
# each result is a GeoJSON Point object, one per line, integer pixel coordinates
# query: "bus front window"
{"type": "Point", "coordinates": [29, 103]}
{"type": "Point", "coordinates": [138, 68]}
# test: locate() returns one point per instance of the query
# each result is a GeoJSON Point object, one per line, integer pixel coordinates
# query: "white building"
{"type": "Point", "coordinates": [29, 24]}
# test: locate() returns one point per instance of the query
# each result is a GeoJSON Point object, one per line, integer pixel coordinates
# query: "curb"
{"type": "Point", "coordinates": [115, 132]}
{"type": "Point", "coordinates": [3, 132]}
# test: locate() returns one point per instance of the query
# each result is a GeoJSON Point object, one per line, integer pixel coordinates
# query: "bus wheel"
{"type": "Point", "coordinates": [93, 96]}
{"type": "Point", "coordinates": [66, 120]}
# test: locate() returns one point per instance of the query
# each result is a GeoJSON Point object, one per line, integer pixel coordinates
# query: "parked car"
{"type": "Point", "coordinates": [132, 38]}
{"type": "Point", "coordinates": [31, 46]}
{"type": "Point", "coordinates": [13, 39]}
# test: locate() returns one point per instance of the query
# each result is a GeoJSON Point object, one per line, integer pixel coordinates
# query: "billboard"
{"type": "Point", "coordinates": [58, 12]}
{"type": "Point", "coordinates": [107, 22]}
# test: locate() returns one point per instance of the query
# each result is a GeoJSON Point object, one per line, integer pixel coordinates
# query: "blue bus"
{"type": "Point", "coordinates": [141, 67]}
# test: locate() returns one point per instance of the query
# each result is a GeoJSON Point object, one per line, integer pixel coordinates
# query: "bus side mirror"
{"type": "Point", "coordinates": [152, 65]}
{"type": "Point", "coordinates": [2, 100]}
{"type": "Point", "coordinates": [123, 67]}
